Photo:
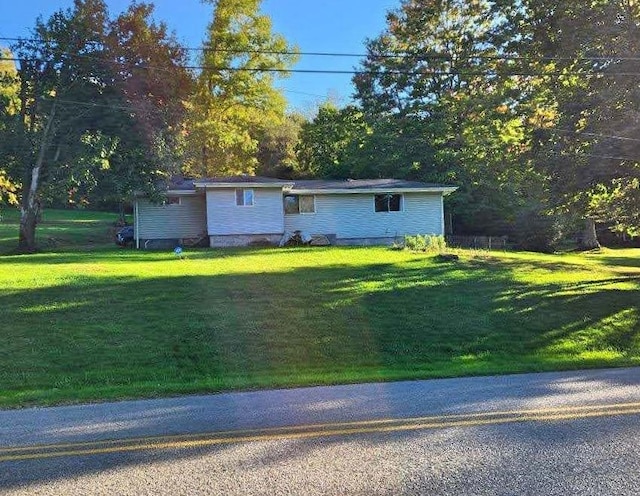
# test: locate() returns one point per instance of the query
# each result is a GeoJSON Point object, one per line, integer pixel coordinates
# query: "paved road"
{"type": "Point", "coordinates": [557, 433]}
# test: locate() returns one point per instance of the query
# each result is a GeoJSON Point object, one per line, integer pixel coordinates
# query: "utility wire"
{"type": "Point", "coordinates": [425, 56]}
{"type": "Point", "coordinates": [360, 72]}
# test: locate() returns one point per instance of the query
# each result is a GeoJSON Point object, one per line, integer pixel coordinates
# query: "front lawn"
{"type": "Point", "coordinates": [116, 323]}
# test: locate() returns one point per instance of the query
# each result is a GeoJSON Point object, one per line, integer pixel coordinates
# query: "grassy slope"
{"type": "Point", "coordinates": [117, 323]}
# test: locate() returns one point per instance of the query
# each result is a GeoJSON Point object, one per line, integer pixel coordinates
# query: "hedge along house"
{"type": "Point", "coordinates": [241, 210]}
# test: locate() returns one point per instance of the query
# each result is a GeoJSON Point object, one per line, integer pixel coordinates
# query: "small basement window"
{"type": "Point", "coordinates": [172, 200]}
{"type": "Point", "coordinates": [244, 197]}
{"type": "Point", "coordinates": [299, 204]}
{"type": "Point", "coordinates": [388, 203]}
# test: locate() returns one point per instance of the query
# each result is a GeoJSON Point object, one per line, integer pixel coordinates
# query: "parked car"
{"type": "Point", "coordinates": [125, 236]}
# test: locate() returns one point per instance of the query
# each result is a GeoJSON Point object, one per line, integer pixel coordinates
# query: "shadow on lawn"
{"type": "Point", "coordinates": [430, 319]}
{"type": "Point", "coordinates": [107, 333]}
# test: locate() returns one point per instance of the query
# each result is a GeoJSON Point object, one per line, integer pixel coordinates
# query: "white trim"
{"type": "Point", "coordinates": [446, 190]}
{"type": "Point", "coordinates": [180, 192]}
{"type": "Point", "coordinates": [395, 193]}
{"type": "Point", "coordinates": [299, 212]}
{"type": "Point", "coordinates": [247, 185]}
{"type": "Point", "coordinates": [244, 197]}
{"type": "Point", "coordinates": [136, 224]}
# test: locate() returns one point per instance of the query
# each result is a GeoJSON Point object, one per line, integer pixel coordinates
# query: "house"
{"type": "Point", "coordinates": [241, 210]}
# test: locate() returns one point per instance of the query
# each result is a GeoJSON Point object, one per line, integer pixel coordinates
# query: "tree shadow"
{"type": "Point", "coordinates": [114, 336]}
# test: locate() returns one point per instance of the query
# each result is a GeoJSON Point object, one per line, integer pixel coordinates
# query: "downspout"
{"type": "Point", "coordinates": [136, 224]}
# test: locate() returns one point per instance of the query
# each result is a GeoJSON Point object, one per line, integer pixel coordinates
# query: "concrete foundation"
{"type": "Point", "coordinates": [367, 241]}
{"type": "Point", "coordinates": [232, 240]}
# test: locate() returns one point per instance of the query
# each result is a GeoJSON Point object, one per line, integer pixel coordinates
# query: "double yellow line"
{"type": "Point", "coordinates": [314, 431]}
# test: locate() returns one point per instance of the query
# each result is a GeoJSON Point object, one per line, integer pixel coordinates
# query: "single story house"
{"type": "Point", "coordinates": [241, 210]}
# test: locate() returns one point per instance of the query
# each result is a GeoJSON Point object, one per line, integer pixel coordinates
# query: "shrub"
{"type": "Point", "coordinates": [428, 243]}
{"type": "Point", "coordinates": [536, 230]}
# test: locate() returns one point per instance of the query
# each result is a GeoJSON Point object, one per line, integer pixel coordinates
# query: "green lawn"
{"type": "Point", "coordinates": [112, 323]}
{"type": "Point", "coordinates": [60, 229]}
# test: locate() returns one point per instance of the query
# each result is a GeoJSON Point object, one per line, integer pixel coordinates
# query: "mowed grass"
{"type": "Point", "coordinates": [114, 323]}
{"type": "Point", "coordinates": [60, 229]}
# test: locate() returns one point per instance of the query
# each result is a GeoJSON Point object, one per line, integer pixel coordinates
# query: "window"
{"type": "Point", "coordinates": [172, 200]}
{"type": "Point", "coordinates": [388, 203]}
{"type": "Point", "coordinates": [299, 204]}
{"type": "Point", "coordinates": [244, 197]}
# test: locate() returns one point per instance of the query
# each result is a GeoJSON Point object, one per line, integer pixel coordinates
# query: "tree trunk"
{"type": "Point", "coordinates": [30, 207]}
{"type": "Point", "coordinates": [122, 219]}
{"type": "Point", "coordinates": [27, 239]}
{"type": "Point", "coordinates": [589, 237]}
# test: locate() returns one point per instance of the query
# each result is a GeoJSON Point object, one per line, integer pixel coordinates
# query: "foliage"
{"type": "Point", "coordinates": [328, 143]}
{"type": "Point", "coordinates": [537, 230]}
{"type": "Point", "coordinates": [427, 243]}
{"type": "Point", "coordinates": [234, 102]}
{"type": "Point", "coordinates": [277, 144]}
{"type": "Point", "coordinates": [441, 110]}
{"type": "Point", "coordinates": [100, 108]}
{"type": "Point", "coordinates": [214, 321]}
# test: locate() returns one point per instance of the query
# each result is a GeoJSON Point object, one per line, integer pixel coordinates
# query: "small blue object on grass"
{"type": "Point", "coordinates": [178, 251]}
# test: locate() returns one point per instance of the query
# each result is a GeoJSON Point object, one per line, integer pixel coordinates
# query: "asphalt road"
{"type": "Point", "coordinates": [557, 433]}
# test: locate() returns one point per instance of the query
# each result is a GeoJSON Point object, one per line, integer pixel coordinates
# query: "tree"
{"type": "Point", "coordinates": [101, 107]}
{"type": "Point", "coordinates": [443, 108]}
{"type": "Point", "coordinates": [9, 105]}
{"type": "Point", "coordinates": [327, 142]}
{"type": "Point", "coordinates": [142, 132]}
{"type": "Point", "coordinates": [588, 152]}
{"type": "Point", "coordinates": [277, 147]}
{"type": "Point", "coordinates": [235, 101]}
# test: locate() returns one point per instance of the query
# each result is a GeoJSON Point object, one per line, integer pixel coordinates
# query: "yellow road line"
{"type": "Point", "coordinates": [314, 431]}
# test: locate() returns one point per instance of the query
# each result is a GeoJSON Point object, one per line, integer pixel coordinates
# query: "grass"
{"type": "Point", "coordinates": [111, 323]}
{"type": "Point", "coordinates": [60, 229]}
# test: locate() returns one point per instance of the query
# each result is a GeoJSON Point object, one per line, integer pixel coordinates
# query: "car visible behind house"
{"type": "Point", "coordinates": [125, 236]}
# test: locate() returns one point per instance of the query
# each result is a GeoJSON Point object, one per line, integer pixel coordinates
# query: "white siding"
{"type": "Point", "coordinates": [186, 220]}
{"type": "Point", "coordinates": [354, 216]}
{"type": "Point", "coordinates": [265, 216]}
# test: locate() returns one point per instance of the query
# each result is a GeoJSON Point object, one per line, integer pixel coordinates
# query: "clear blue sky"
{"type": "Point", "coordinates": [313, 25]}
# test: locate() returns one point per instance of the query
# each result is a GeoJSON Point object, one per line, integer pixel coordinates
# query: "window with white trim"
{"type": "Point", "coordinates": [244, 197]}
{"type": "Point", "coordinates": [172, 200]}
{"type": "Point", "coordinates": [299, 204]}
{"type": "Point", "coordinates": [388, 203]}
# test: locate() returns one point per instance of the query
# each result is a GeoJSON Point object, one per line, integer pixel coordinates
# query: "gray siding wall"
{"type": "Point", "coordinates": [186, 220]}
{"type": "Point", "coordinates": [265, 216]}
{"type": "Point", "coordinates": [354, 216]}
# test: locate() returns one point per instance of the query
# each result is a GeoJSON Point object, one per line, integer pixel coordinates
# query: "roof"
{"type": "Point", "coordinates": [349, 184]}
{"type": "Point", "coordinates": [309, 186]}
{"type": "Point", "coordinates": [255, 181]}
{"type": "Point", "coordinates": [244, 178]}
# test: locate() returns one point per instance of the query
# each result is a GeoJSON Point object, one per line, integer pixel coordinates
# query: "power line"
{"type": "Point", "coordinates": [424, 56]}
{"type": "Point", "coordinates": [434, 72]}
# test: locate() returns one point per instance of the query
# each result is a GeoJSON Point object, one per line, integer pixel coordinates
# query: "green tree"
{"type": "Point", "coordinates": [101, 106]}
{"type": "Point", "coordinates": [235, 100]}
{"type": "Point", "coordinates": [9, 106]}
{"type": "Point", "coordinates": [327, 143]}
{"type": "Point", "coordinates": [587, 151]}
{"type": "Point", "coordinates": [443, 108]}
{"type": "Point", "coordinates": [277, 147]}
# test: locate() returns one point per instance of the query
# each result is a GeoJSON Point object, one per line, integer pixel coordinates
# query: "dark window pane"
{"type": "Point", "coordinates": [382, 203]}
{"type": "Point", "coordinates": [239, 197]}
{"type": "Point", "coordinates": [394, 203]}
{"type": "Point", "coordinates": [291, 204]}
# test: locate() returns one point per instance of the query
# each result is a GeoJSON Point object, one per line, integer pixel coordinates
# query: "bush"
{"type": "Point", "coordinates": [428, 243]}
{"type": "Point", "coordinates": [537, 231]}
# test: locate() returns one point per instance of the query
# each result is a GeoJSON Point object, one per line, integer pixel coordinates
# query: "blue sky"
{"type": "Point", "coordinates": [313, 25]}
